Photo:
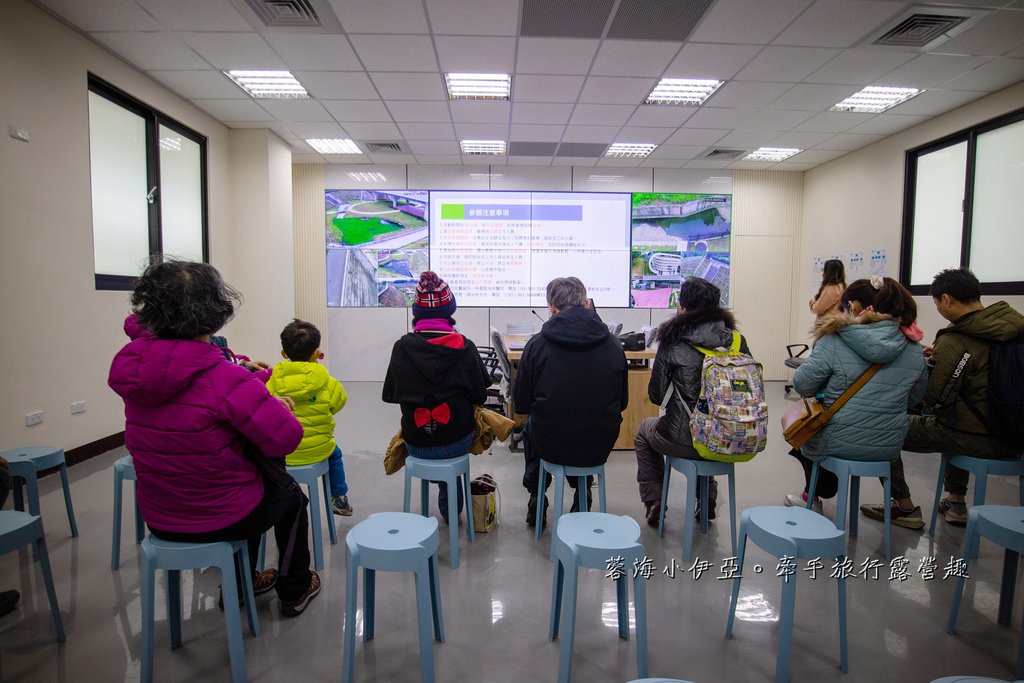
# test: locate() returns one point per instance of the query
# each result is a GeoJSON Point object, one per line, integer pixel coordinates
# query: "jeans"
{"type": "Point", "coordinates": [445, 452]}
{"type": "Point", "coordinates": [336, 473]}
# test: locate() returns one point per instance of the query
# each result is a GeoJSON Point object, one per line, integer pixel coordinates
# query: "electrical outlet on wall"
{"type": "Point", "coordinates": [77, 407]}
{"type": "Point", "coordinates": [33, 418]}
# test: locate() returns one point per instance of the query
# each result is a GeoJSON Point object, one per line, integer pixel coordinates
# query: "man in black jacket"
{"type": "Point", "coordinates": [571, 382]}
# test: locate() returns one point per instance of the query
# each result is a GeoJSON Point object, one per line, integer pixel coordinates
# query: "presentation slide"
{"type": "Point", "coordinates": [675, 236]}
{"type": "Point", "coordinates": [502, 248]}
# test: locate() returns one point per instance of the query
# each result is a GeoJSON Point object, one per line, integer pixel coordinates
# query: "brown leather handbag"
{"type": "Point", "coordinates": [807, 416]}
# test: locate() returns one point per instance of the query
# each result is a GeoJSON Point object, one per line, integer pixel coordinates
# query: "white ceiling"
{"type": "Point", "coordinates": [380, 78]}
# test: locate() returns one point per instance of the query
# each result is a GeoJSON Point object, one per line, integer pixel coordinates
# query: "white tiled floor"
{"type": "Point", "coordinates": [496, 604]}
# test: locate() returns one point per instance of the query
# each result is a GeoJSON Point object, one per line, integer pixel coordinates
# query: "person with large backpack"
{"type": "Point", "coordinates": [872, 336]}
{"type": "Point", "coordinates": [971, 393]}
{"type": "Point", "coordinates": [700, 342]}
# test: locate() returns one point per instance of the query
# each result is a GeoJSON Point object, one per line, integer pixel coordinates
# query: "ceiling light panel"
{"type": "Point", "coordinates": [268, 84]}
{"type": "Point", "coordinates": [874, 99]}
{"type": "Point", "coordinates": [363, 177]}
{"type": "Point", "coordinates": [495, 147]}
{"type": "Point", "coordinates": [630, 150]}
{"type": "Point", "coordinates": [333, 146]}
{"type": "Point", "coordinates": [771, 154]}
{"type": "Point", "coordinates": [687, 91]}
{"type": "Point", "coordinates": [478, 86]}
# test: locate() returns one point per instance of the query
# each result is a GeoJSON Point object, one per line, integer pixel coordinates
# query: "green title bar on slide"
{"type": "Point", "coordinates": [453, 211]}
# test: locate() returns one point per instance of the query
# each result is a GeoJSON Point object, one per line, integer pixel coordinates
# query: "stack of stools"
{"type": "Point", "coordinates": [590, 540]}
{"type": "Point", "coordinates": [559, 473]}
{"type": "Point", "coordinates": [26, 464]}
{"type": "Point", "coordinates": [1004, 525]}
{"type": "Point", "coordinates": [454, 472]}
{"type": "Point", "coordinates": [796, 534]}
{"type": "Point", "coordinates": [173, 557]}
{"type": "Point", "coordinates": [394, 542]}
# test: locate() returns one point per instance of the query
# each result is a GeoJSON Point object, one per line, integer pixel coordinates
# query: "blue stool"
{"type": "Point", "coordinates": [308, 475]}
{"type": "Point", "coordinates": [559, 473]}
{"type": "Point", "coordinates": [849, 473]}
{"type": "Point", "coordinates": [18, 529]}
{"type": "Point", "coordinates": [450, 471]}
{"type": "Point", "coordinates": [797, 534]}
{"type": "Point", "coordinates": [980, 468]}
{"type": "Point", "coordinates": [124, 470]}
{"type": "Point", "coordinates": [393, 542]}
{"type": "Point", "coordinates": [26, 463]}
{"type": "Point", "coordinates": [694, 471]}
{"type": "Point", "coordinates": [173, 557]}
{"type": "Point", "coordinates": [1004, 525]}
{"type": "Point", "coordinates": [590, 540]}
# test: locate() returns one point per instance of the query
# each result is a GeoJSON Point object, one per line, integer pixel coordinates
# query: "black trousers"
{"type": "Point", "coordinates": [285, 511]}
{"type": "Point", "coordinates": [531, 472]}
{"type": "Point", "coordinates": [828, 482]}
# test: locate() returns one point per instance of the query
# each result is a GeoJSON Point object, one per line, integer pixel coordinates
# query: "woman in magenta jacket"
{"type": "Point", "coordinates": [190, 417]}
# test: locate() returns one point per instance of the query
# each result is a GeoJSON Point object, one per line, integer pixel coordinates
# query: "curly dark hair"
{"type": "Point", "coordinates": [183, 299]}
{"type": "Point", "coordinates": [299, 339]}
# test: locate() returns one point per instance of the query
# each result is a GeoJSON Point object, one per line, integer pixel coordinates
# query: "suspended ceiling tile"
{"type": "Point", "coordinates": [775, 119]}
{"type": "Point", "coordinates": [546, 88]}
{"type": "Point", "coordinates": [208, 84]}
{"type": "Point", "coordinates": [346, 158]}
{"type": "Point", "coordinates": [536, 133]}
{"type": "Point", "coordinates": [153, 51]}
{"type": "Point", "coordinates": [661, 115]}
{"type": "Point", "coordinates": [747, 94]}
{"type": "Point", "coordinates": [566, 56]}
{"type": "Point", "coordinates": [786, 64]}
{"type": "Point", "coordinates": [296, 110]}
{"type": "Point", "coordinates": [860, 66]}
{"type": "Point", "coordinates": [640, 134]}
{"type": "Point", "coordinates": [410, 86]}
{"type": "Point", "coordinates": [786, 166]}
{"type": "Point", "coordinates": [195, 15]}
{"type": "Point", "coordinates": [357, 110]}
{"type": "Point", "coordinates": [991, 36]}
{"type": "Point", "coordinates": [574, 161]}
{"type": "Point", "coordinates": [307, 159]}
{"type": "Point", "coordinates": [832, 122]}
{"type": "Point", "coordinates": [795, 140]}
{"type": "Point", "coordinates": [752, 165]}
{"type": "Point", "coordinates": [696, 136]}
{"type": "Point", "coordinates": [418, 147]}
{"type": "Point", "coordinates": [473, 17]}
{"type": "Point", "coordinates": [616, 90]}
{"type": "Point", "coordinates": [935, 102]}
{"type": "Point", "coordinates": [372, 131]}
{"type": "Point", "coordinates": [990, 76]}
{"type": "Point", "coordinates": [541, 112]}
{"type": "Point", "coordinates": [380, 16]}
{"type": "Point", "coordinates": [816, 156]}
{"type": "Point", "coordinates": [719, 117]}
{"type": "Point", "coordinates": [814, 97]}
{"type": "Point", "coordinates": [604, 135]}
{"type": "Point", "coordinates": [482, 131]}
{"type": "Point", "coordinates": [708, 163]}
{"type": "Point", "coordinates": [337, 85]}
{"type": "Point", "coordinates": [565, 18]}
{"type": "Point", "coordinates": [848, 142]}
{"type": "Point", "coordinates": [327, 130]}
{"type": "Point", "coordinates": [601, 114]}
{"type": "Point", "coordinates": [480, 112]}
{"type": "Point", "coordinates": [234, 50]}
{"type": "Point", "coordinates": [474, 54]}
{"type": "Point", "coordinates": [530, 161]}
{"type": "Point", "coordinates": [887, 124]}
{"type": "Point", "coordinates": [677, 152]}
{"type": "Point", "coordinates": [709, 60]}
{"type": "Point", "coordinates": [116, 15]}
{"type": "Point", "coordinates": [392, 158]}
{"type": "Point", "coordinates": [280, 129]}
{"type": "Point", "coordinates": [427, 131]}
{"type": "Point", "coordinates": [837, 23]}
{"type": "Point", "coordinates": [928, 71]}
{"type": "Point", "coordinates": [443, 159]}
{"type": "Point", "coordinates": [234, 110]}
{"type": "Point", "coordinates": [633, 58]}
{"type": "Point", "coordinates": [395, 53]}
{"type": "Point", "coordinates": [315, 52]}
{"type": "Point", "coordinates": [746, 139]}
{"type": "Point", "coordinates": [416, 111]}
{"type": "Point", "coordinates": [747, 21]}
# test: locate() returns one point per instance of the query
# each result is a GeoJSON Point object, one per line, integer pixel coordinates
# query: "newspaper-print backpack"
{"type": "Point", "coordinates": [730, 421]}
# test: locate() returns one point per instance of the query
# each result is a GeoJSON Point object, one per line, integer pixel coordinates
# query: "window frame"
{"type": "Point", "coordinates": [153, 119]}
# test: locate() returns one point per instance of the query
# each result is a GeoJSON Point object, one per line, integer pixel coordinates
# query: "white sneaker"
{"type": "Point", "coordinates": [799, 500]}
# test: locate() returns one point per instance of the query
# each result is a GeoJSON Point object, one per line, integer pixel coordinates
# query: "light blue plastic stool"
{"type": "Point", "coordinates": [309, 475]}
{"type": "Point", "coordinates": [694, 471]}
{"type": "Point", "coordinates": [558, 474]}
{"type": "Point", "coordinates": [393, 542]}
{"type": "Point", "coordinates": [26, 463]}
{"type": "Point", "coordinates": [590, 540]}
{"type": "Point", "coordinates": [450, 471]}
{"type": "Point", "coordinates": [798, 534]}
{"type": "Point", "coordinates": [980, 468]}
{"type": "Point", "coordinates": [849, 473]}
{"type": "Point", "coordinates": [1002, 524]}
{"type": "Point", "coordinates": [18, 529]}
{"type": "Point", "coordinates": [173, 557]}
{"type": "Point", "coordinates": [124, 470]}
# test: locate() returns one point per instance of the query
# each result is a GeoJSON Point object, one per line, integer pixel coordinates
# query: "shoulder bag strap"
{"type": "Point", "coordinates": [952, 381]}
{"type": "Point", "coordinates": [852, 389]}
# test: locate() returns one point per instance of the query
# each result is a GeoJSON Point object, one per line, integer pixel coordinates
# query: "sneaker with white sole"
{"type": "Point", "coordinates": [799, 500]}
{"type": "Point", "coordinates": [910, 519]}
{"type": "Point", "coordinates": [954, 513]}
{"type": "Point", "coordinates": [294, 609]}
{"type": "Point", "coordinates": [340, 506]}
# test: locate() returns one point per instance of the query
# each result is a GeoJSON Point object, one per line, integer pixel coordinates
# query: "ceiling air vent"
{"type": "Point", "coordinates": [384, 147]}
{"type": "Point", "coordinates": [280, 13]}
{"type": "Point", "coordinates": [725, 154]}
{"type": "Point", "coordinates": [919, 29]}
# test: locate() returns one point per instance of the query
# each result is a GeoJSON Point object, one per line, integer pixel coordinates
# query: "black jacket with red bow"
{"type": "Point", "coordinates": [436, 378]}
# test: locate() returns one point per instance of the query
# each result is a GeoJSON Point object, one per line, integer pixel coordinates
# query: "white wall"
{"type": "Point", "coordinates": [58, 334]}
{"type": "Point", "coordinates": [855, 202]}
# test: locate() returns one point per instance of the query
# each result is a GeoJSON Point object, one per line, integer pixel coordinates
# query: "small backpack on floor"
{"type": "Point", "coordinates": [730, 420]}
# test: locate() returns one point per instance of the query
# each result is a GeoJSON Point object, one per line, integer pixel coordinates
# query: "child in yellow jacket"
{"type": "Point", "coordinates": [317, 397]}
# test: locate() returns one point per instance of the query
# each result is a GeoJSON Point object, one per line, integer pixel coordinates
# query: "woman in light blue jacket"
{"type": "Point", "coordinates": [875, 325]}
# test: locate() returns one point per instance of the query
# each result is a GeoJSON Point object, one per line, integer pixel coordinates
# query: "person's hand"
{"type": "Point", "coordinates": [254, 365]}
{"type": "Point", "coordinates": [4, 464]}
{"type": "Point", "coordinates": [287, 402]}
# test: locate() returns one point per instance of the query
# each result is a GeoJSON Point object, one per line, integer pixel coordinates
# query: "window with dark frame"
{"type": "Point", "coordinates": [963, 206]}
{"type": "Point", "coordinates": [149, 196]}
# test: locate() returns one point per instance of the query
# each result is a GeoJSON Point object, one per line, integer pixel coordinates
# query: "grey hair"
{"type": "Point", "coordinates": [183, 299]}
{"type": "Point", "coordinates": [566, 292]}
